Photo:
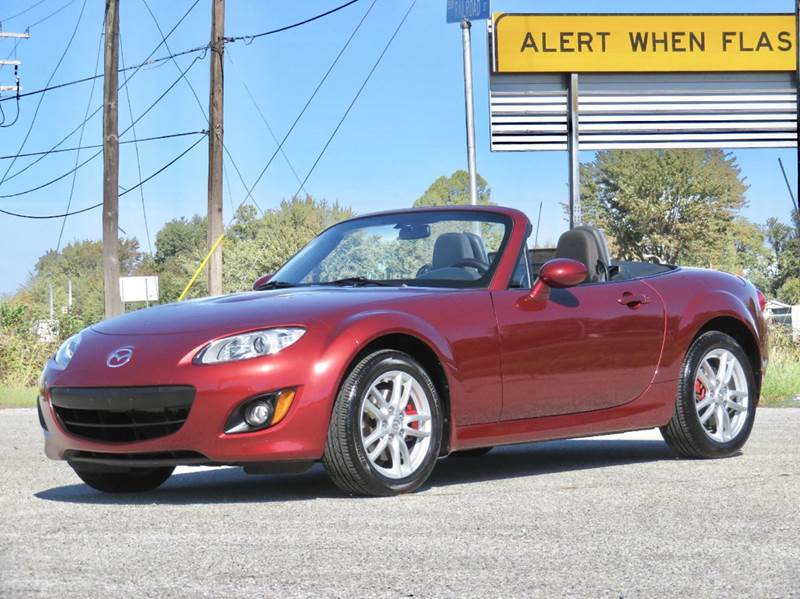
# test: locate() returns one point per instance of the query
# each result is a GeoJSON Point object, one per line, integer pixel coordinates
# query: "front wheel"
{"type": "Point", "coordinates": [716, 403]}
{"type": "Point", "coordinates": [137, 480]}
{"type": "Point", "coordinates": [386, 427]}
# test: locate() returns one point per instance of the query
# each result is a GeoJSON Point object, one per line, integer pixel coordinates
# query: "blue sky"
{"type": "Point", "coordinates": [406, 129]}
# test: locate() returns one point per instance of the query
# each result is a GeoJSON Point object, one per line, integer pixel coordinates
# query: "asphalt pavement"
{"type": "Point", "coordinates": [612, 517]}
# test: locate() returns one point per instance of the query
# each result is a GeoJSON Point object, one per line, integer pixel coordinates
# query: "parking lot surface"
{"type": "Point", "coordinates": [614, 517]}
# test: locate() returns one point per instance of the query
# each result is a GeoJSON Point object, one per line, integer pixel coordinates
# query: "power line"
{"type": "Point", "coordinates": [249, 38]}
{"type": "Point", "coordinates": [249, 194]}
{"type": "Point", "coordinates": [51, 15]}
{"type": "Point", "coordinates": [263, 118]}
{"type": "Point", "coordinates": [93, 146]}
{"type": "Point", "coordinates": [197, 100]}
{"type": "Point", "coordinates": [355, 98]}
{"type": "Point", "coordinates": [205, 47]}
{"type": "Point", "coordinates": [41, 98]}
{"type": "Point", "coordinates": [98, 205]}
{"type": "Point", "coordinates": [22, 12]}
{"type": "Point", "coordinates": [80, 141]}
{"type": "Point", "coordinates": [96, 154]}
{"type": "Point", "coordinates": [136, 147]}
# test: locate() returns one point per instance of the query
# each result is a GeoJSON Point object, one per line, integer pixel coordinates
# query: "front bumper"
{"type": "Point", "coordinates": [219, 390]}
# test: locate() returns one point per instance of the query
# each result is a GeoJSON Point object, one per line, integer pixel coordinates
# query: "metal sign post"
{"type": "Point", "coordinates": [470, 112]}
{"type": "Point", "coordinates": [574, 157]}
{"type": "Point", "coordinates": [462, 11]}
{"type": "Point", "coordinates": [797, 85]}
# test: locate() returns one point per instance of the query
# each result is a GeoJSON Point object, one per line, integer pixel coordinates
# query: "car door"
{"type": "Point", "coordinates": [586, 348]}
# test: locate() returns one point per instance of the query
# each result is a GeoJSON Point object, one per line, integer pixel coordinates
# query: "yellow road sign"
{"type": "Point", "coordinates": [539, 43]}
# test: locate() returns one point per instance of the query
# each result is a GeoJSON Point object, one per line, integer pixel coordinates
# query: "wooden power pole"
{"type": "Point", "coordinates": [215, 137]}
{"type": "Point", "coordinates": [113, 302]}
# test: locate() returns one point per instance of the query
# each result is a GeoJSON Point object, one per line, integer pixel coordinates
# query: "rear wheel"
{"type": "Point", "coordinates": [716, 403]}
{"type": "Point", "coordinates": [386, 427]}
{"type": "Point", "coordinates": [137, 480]}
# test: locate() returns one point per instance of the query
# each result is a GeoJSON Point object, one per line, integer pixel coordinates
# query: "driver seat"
{"type": "Point", "coordinates": [587, 245]}
{"type": "Point", "coordinates": [451, 248]}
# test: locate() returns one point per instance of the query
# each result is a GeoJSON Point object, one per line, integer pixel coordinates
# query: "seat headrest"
{"type": "Point", "coordinates": [587, 245]}
{"type": "Point", "coordinates": [450, 249]}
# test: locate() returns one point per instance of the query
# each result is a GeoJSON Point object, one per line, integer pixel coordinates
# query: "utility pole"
{"type": "Point", "coordinates": [113, 302]}
{"type": "Point", "coordinates": [466, 40]}
{"type": "Point", "coordinates": [215, 136]}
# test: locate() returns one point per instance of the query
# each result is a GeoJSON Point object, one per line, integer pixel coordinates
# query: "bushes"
{"type": "Point", "coordinates": [21, 355]}
{"type": "Point", "coordinates": [783, 375]}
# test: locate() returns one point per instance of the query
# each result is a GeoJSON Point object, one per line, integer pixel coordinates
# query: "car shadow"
{"type": "Point", "coordinates": [232, 485]}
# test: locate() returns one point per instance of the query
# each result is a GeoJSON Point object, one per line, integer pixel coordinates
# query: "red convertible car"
{"type": "Point", "coordinates": [395, 339]}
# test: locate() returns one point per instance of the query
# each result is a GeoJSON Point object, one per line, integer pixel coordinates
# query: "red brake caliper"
{"type": "Point", "coordinates": [411, 411]}
{"type": "Point", "coordinates": [699, 391]}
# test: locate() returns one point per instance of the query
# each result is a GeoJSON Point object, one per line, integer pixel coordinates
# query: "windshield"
{"type": "Point", "coordinates": [420, 248]}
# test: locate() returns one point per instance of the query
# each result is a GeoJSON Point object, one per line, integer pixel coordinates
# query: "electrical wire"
{"type": "Point", "coordinates": [136, 147]}
{"type": "Point", "coordinates": [249, 194]}
{"type": "Point", "coordinates": [51, 15]}
{"type": "Point", "coordinates": [249, 38]}
{"type": "Point", "coordinates": [96, 154]}
{"type": "Point", "coordinates": [121, 142]}
{"type": "Point", "coordinates": [263, 118]}
{"type": "Point", "coordinates": [22, 12]}
{"type": "Point", "coordinates": [355, 98]}
{"type": "Point", "coordinates": [80, 141]}
{"type": "Point", "coordinates": [197, 101]}
{"type": "Point", "coordinates": [49, 80]}
{"type": "Point", "coordinates": [92, 207]}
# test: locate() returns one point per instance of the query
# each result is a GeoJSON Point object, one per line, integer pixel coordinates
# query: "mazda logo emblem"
{"type": "Point", "coordinates": [119, 357]}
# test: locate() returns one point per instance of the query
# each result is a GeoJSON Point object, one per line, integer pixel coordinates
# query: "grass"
{"type": "Point", "coordinates": [13, 397]}
{"type": "Point", "coordinates": [782, 383]}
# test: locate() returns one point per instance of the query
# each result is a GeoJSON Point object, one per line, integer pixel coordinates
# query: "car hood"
{"type": "Point", "coordinates": [244, 311]}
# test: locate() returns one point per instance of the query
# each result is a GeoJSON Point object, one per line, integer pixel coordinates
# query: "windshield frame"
{"type": "Point", "coordinates": [434, 214]}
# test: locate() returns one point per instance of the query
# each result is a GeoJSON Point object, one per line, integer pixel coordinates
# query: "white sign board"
{"type": "Point", "coordinates": [138, 289]}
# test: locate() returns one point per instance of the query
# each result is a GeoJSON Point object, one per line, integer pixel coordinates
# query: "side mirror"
{"type": "Point", "coordinates": [559, 273]}
{"type": "Point", "coordinates": [262, 281]}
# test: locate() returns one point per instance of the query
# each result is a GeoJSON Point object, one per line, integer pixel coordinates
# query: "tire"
{"type": "Point", "coordinates": [136, 480]}
{"type": "Point", "coordinates": [361, 420]}
{"type": "Point", "coordinates": [471, 453]}
{"type": "Point", "coordinates": [698, 428]}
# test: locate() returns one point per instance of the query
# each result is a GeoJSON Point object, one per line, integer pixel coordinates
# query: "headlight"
{"type": "Point", "coordinates": [67, 350]}
{"type": "Point", "coordinates": [249, 345]}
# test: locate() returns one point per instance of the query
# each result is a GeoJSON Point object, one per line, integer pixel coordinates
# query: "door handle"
{"type": "Point", "coordinates": [633, 300]}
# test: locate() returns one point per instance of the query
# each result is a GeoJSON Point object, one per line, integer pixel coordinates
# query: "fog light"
{"type": "Point", "coordinates": [258, 413]}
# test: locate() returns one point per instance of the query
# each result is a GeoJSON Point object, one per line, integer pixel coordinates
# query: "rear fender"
{"type": "Point", "coordinates": [684, 325]}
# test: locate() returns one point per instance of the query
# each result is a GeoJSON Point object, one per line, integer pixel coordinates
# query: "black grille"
{"type": "Point", "coordinates": [122, 414]}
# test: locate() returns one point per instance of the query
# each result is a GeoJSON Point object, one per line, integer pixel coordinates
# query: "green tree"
{"type": "Point", "coordinates": [453, 191]}
{"type": "Point", "coordinates": [82, 263]}
{"type": "Point", "coordinates": [261, 245]}
{"type": "Point", "coordinates": [790, 291]}
{"type": "Point", "coordinates": [677, 205]}
{"type": "Point", "coordinates": [180, 248]}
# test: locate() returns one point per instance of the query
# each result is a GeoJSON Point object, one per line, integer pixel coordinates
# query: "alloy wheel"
{"type": "Point", "coordinates": [722, 399]}
{"type": "Point", "coordinates": [396, 424]}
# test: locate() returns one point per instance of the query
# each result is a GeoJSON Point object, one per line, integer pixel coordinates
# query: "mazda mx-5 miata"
{"type": "Point", "coordinates": [395, 339]}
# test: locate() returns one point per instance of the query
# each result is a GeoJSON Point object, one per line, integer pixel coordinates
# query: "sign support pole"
{"type": "Point", "coordinates": [574, 157]}
{"type": "Point", "coordinates": [797, 84]}
{"type": "Point", "coordinates": [470, 111]}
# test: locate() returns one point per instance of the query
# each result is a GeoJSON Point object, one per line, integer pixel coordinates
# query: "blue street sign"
{"type": "Point", "coordinates": [467, 9]}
